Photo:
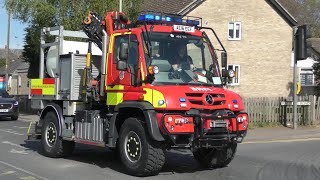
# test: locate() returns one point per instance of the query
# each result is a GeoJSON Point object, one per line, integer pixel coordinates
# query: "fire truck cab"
{"type": "Point", "coordinates": [141, 88]}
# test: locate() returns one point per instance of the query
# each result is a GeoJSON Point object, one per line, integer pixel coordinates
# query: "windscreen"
{"type": "Point", "coordinates": [183, 59]}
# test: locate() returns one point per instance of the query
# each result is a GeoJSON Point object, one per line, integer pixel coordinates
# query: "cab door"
{"type": "Point", "coordinates": [122, 84]}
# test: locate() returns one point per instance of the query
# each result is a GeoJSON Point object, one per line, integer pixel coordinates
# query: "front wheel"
{"type": "Point", "coordinates": [213, 158]}
{"type": "Point", "coordinates": [140, 155]}
{"type": "Point", "coordinates": [53, 145]}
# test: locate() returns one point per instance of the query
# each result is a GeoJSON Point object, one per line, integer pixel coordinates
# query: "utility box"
{"type": "Point", "coordinates": [72, 72]}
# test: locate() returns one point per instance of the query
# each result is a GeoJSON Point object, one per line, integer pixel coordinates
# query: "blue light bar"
{"type": "Point", "coordinates": [168, 19]}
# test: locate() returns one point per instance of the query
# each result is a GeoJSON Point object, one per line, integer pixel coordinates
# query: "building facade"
{"type": "Point", "coordinates": [257, 35]}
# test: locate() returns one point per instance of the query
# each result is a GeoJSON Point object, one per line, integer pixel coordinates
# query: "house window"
{"type": "Point", "coordinates": [306, 77]}
{"type": "Point", "coordinates": [236, 79]}
{"type": "Point", "coordinates": [234, 29]}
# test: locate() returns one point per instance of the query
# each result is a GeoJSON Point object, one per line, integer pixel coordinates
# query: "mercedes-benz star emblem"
{"type": "Point", "coordinates": [209, 99]}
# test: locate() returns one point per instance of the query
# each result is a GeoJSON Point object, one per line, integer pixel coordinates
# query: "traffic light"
{"type": "Point", "coordinates": [301, 43]}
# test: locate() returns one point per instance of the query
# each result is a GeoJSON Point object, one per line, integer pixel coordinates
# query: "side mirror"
{"type": "Point", "coordinates": [224, 59]}
{"type": "Point", "coordinates": [124, 51]}
{"type": "Point", "coordinates": [228, 73]}
{"type": "Point", "coordinates": [122, 65]}
{"type": "Point", "coordinates": [301, 43]}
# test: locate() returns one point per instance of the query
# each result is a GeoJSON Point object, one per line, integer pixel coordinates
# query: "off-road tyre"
{"type": "Point", "coordinates": [54, 146]}
{"type": "Point", "coordinates": [140, 155]}
{"type": "Point", "coordinates": [14, 118]}
{"type": "Point", "coordinates": [213, 158]}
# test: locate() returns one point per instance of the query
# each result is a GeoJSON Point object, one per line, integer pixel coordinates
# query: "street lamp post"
{"type": "Point", "coordinates": [8, 48]}
{"type": "Point", "coordinates": [120, 5]}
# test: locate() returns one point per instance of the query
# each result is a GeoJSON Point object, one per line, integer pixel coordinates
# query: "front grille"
{"type": "Point", "coordinates": [5, 106]}
{"type": "Point", "coordinates": [201, 94]}
{"type": "Point", "coordinates": [196, 102]}
{"type": "Point", "coordinates": [219, 102]}
{"type": "Point", "coordinates": [199, 99]}
{"type": "Point", "coordinates": [194, 94]}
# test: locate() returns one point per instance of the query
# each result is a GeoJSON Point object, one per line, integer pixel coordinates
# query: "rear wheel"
{"type": "Point", "coordinates": [53, 145]}
{"type": "Point", "coordinates": [140, 155]}
{"type": "Point", "coordinates": [213, 158]}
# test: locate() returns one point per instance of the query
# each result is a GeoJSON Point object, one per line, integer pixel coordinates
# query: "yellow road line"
{"type": "Point", "coordinates": [28, 132]}
{"type": "Point", "coordinates": [282, 140]}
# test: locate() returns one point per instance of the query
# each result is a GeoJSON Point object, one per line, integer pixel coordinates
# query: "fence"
{"type": "Point", "coordinates": [280, 110]}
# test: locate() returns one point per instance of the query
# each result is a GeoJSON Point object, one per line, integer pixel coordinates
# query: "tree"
{"type": "Point", "coordinates": [48, 13]}
{"type": "Point", "coordinates": [305, 12]}
{"type": "Point", "coordinates": [2, 62]}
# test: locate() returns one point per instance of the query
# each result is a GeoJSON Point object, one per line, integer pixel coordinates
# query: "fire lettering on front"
{"type": "Point", "coordinates": [200, 89]}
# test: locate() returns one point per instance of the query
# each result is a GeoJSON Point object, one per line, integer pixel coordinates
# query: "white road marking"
{"type": "Point", "coordinates": [28, 178]}
{"type": "Point", "coordinates": [282, 140]}
{"type": "Point", "coordinates": [8, 172]}
{"type": "Point", "coordinates": [18, 152]}
{"type": "Point", "coordinates": [23, 170]}
{"type": "Point", "coordinates": [20, 127]}
{"type": "Point", "coordinates": [13, 144]}
{"type": "Point", "coordinates": [12, 132]}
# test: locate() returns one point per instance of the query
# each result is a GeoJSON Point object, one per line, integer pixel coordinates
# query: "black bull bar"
{"type": "Point", "coordinates": [211, 137]}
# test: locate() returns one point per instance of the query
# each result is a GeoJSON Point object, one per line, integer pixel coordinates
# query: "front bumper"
{"type": "Point", "coordinates": [206, 137]}
{"type": "Point", "coordinates": [14, 111]}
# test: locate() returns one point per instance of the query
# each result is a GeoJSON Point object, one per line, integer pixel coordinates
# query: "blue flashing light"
{"type": "Point", "coordinates": [146, 17]}
{"type": "Point", "coordinates": [161, 102]}
{"type": "Point", "coordinates": [149, 17]}
{"type": "Point", "coordinates": [157, 18]}
{"type": "Point", "coordinates": [183, 100]}
{"type": "Point", "coordinates": [141, 18]}
{"type": "Point", "coordinates": [235, 101]}
{"type": "Point", "coordinates": [179, 20]}
{"type": "Point", "coordinates": [190, 22]}
{"type": "Point", "coordinates": [196, 23]}
{"type": "Point", "coordinates": [169, 19]}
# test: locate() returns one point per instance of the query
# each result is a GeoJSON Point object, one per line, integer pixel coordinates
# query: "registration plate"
{"type": "Point", "coordinates": [4, 110]}
{"type": "Point", "coordinates": [215, 124]}
{"type": "Point", "coordinates": [182, 28]}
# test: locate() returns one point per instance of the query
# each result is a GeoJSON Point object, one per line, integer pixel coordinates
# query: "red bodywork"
{"type": "Point", "coordinates": [194, 95]}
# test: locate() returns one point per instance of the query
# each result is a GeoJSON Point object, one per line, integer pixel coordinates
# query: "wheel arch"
{"type": "Point", "coordinates": [134, 109]}
{"type": "Point", "coordinates": [55, 108]}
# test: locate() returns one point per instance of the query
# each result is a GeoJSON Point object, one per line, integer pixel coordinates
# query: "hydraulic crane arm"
{"type": "Point", "coordinates": [93, 26]}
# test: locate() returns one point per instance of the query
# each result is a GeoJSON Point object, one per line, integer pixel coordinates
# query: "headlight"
{"type": "Point", "coordinates": [16, 103]}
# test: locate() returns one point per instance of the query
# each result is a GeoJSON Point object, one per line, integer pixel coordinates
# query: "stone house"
{"type": "Point", "coordinates": [258, 37]}
{"type": "Point", "coordinates": [17, 77]}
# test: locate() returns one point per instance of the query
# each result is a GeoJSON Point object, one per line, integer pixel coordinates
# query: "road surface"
{"type": "Point", "coordinates": [292, 160]}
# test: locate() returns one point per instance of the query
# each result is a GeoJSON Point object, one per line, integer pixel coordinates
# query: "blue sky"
{"type": "Point", "coordinates": [16, 30]}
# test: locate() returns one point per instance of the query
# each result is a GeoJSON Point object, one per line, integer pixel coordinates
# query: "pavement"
{"type": "Point", "coordinates": [282, 134]}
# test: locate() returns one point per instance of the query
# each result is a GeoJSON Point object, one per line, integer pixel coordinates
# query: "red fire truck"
{"type": "Point", "coordinates": [155, 85]}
